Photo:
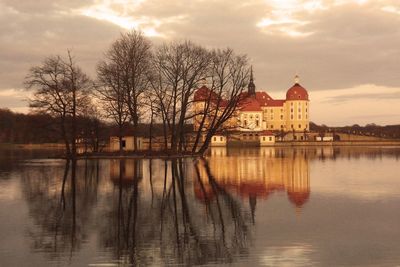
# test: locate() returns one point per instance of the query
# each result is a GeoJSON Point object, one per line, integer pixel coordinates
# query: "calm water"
{"type": "Point", "coordinates": [249, 207]}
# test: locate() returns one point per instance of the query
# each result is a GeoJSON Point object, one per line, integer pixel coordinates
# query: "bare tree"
{"type": "Point", "coordinates": [131, 55]}
{"type": "Point", "coordinates": [220, 103]}
{"type": "Point", "coordinates": [111, 94]}
{"type": "Point", "coordinates": [61, 90]}
{"type": "Point", "coordinates": [178, 68]}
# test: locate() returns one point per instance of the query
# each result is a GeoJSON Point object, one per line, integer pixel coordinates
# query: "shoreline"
{"type": "Point", "coordinates": [170, 155]}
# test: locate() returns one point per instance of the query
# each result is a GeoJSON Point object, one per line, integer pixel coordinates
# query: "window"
{"type": "Point", "coordinates": [281, 126]}
{"type": "Point", "coordinates": [123, 143]}
{"type": "Point", "coordinates": [215, 139]}
{"type": "Point", "coordinates": [245, 122]}
{"type": "Point", "coordinates": [272, 127]}
{"type": "Point", "coordinates": [291, 110]}
{"type": "Point", "coordinates": [299, 126]}
{"type": "Point", "coordinates": [301, 138]}
{"type": "Point", "coordinates": [281, 110]}
{"type": "Point", "coordinates": [299, 117]}
{"type": "Point", "coordinates": [263, 138]}
{"type": "Point", "coordinates": [306, 110]}
{"type": "Point", "coordinates": [272, 111]}
{"type": "Point", "coordinates": [270, 138]}
{"type": "Point", "coordinates": [257, 123]}
{"type": "Point", "coordinates": [281, 117]}
{"type": "Point", "coordinates": [294, 137]}
{"type": "Point", "coordinates": [291, 126]}
{"type": "Point", "coordinates": [244, 136]}
{"type": "Point", "coordinates": [221, 139]}
{"type": "Point", "coordinates": [291, 104]}
{"type": "Point", "coordinates": [272, 117]}
{"type": "Point", "coordinates": [291, 117]}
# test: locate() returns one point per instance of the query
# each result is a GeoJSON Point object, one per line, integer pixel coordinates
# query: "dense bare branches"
{"type": "Point", "coordinates": [228, 78]}
{"type": "Point", "coordinates": [178, 68]}
{"type": "Point", "coordinates": [61, 90]}
{"type": "Point", "coordinates": [137, 84]}
{"type": "Point", "coordinates": [123, 77]}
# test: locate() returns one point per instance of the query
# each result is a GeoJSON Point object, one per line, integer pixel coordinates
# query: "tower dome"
{"type": "Point", "coordinates": [297, 92]}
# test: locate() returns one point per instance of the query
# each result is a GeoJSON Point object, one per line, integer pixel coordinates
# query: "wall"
{"type": "Point", "coordinates": [297, 114]}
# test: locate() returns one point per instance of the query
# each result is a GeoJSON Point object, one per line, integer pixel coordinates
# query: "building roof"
{"type": "Point", "coordinates": [203, 93]}
{"type": "Point", "coordinates": [263, 98]}
{"type": "Point", "coordinates": [297, 92]}
{"type": "Point", "coordinates": [275, 103]}
{"type": "Point", "coordinates": [254, 103]}
{"type": "Point", "coordinates": [266, 133]}
{"type": "Point", "coordinates": [250, 104]}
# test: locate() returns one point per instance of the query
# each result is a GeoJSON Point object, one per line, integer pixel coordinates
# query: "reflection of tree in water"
{"type": "Point", "coordinates": [60, 202]}
{"type": "Point", "coordinates": [167, 224]}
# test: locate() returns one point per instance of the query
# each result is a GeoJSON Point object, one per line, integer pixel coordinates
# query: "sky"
{"type": "Point", "coordinates": [346, 52]}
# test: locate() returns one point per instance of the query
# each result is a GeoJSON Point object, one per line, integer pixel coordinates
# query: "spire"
{"type": "Point", "coordinates": [297, 79]}
{"type": "Point", "coordinates": [251, 87]}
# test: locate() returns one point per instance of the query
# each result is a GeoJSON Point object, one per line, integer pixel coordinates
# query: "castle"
{"type": "Point", "coordinates": [259, 115]}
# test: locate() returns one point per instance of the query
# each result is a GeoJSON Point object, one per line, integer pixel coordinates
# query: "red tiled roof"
{"type": "Point", "coordinates": [263, 98]}
{"type": "Point", "coordinates": [297, 92]}
{"type": "Point", "coordinates": [246, 103]}
{"type": "Point", "coordinates": [275, 103]}
{"type": "Point", "coordinates": [266, 133]}
{"type": "Point", "coordinates": [250, 104]}
{"type": "Point", "coordinates": [203, 93]}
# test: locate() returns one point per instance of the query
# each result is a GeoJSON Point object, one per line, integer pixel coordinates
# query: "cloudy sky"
{"type": "Point", "coordinates": [347, 52]}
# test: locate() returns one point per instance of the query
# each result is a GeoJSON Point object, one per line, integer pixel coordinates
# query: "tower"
{"type": "Point", "coordinates": [251, 89]}
{"type": "Point", "coordinates": [297, 108]}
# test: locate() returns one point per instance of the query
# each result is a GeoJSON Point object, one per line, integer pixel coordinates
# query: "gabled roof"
{"type": "Point", "coordinates": [250, 104]}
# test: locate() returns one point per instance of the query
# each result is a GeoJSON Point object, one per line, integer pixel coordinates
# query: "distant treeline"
{"type": "Point", "coordinates": [27, 128]}
{"type": "Point", "coordinates": [19, 128]}
{"type": "Point", "coordinates": [388, 131]}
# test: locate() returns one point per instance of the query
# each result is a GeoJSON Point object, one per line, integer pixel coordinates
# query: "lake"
{"type": "Point", "coordinates": [315, 206]}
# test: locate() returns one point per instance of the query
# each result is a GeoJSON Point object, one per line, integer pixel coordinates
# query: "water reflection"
{"type": "Point", "coordinates": [236, 205]}
{"type": "Point", "coordinates": [60, 202]}
{"type": "Point", "coordinates": [259, 173]}
{"type": "Point", "coordinates": [164, 224]}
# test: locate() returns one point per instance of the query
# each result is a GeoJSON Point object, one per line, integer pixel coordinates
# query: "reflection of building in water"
{"type": "Point", "coordinates": [125, 171]}
{"type": "Point", "coordinates": [257, 173]}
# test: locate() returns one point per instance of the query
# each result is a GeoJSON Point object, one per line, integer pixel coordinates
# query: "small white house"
{"type": "Point", "coordinates": [127, 143]}
{"type": "Point", "coordinates": [267, 138]}
{"type": "Point", "coordinates": [324, 139]}
{"type": "Point", "coordinates": [218, 140]}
